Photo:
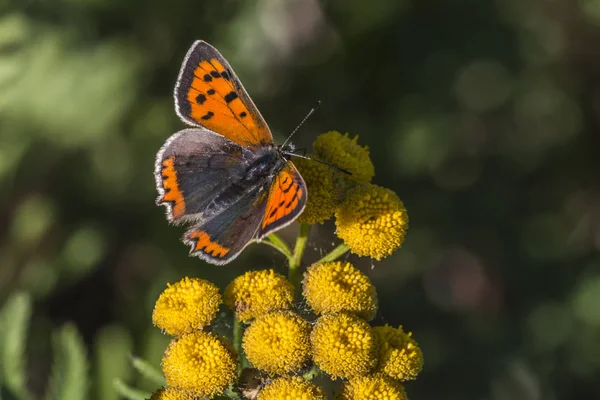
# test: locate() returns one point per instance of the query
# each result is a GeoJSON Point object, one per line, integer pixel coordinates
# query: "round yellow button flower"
{"type": "Point", "coordinates": [399, 354]}
{"type": "Point", "coordinates": [343, 345]}
{"type": "Point", "coordinates": [199, 363]}
{"type": "Point", "coordinates": [324, 188]}
{"type": "Point", "coordinates": [171, 394]}
{"type": "Point", "coordinates": [338, 286]}
{"type": "Point", "coordinates": [258, 292]}
{"type": "Point", "coordinates": [372, 387]}
{"type": "Point", "coordinates": [292, 387]}
{"type": "Point", "coordinates": [343, 152]}
{"type": "Point", "coordinates": [372, 221]}
{"type": "Point", "coordinates": [278, 342]}
{"type": "Point", "coordinates": [185, 306]}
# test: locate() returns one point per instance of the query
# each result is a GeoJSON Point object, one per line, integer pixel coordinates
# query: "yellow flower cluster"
{"type": "Point", "coordinates": [372, 387]}
{"type": "Point", "coordinates": [278, 342]}
{"type": "Point", "coordinates": [373, 362]}
{"type": "Point", "coordinates": [257, 293]}
{"type": "Point", "coordinates": [399, 355]}
{"type": "Point", "coordinates": [196, 363]}
{"type": "Point", "coordinates": [343, 345]}
{"type": "Point", "coordinates": [339, 287]}
{"type": "Point", "coordinates": [291, 387]}
{"type": "Point", "coordinates": [171, 394]}
{"type": "Point", "coordinates": [199, 363]}
{"type": "Point", "coordinates": [188, 305]}
{"type": "Point", "coordinates": [370, 219]}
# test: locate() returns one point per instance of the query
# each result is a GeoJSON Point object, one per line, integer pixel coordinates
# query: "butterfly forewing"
{"type": "Point", "coordinates": [208, 93]}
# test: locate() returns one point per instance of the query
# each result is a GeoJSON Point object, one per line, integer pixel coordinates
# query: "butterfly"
{"type": "Point", "coordinates": [223, 177]}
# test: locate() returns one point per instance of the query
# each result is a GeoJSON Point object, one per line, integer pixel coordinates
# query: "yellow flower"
{"type": "Point", "coordinates": [343, 345]}
{"type": "Point", "coordinates": [399, 354]}
{"type": "Point", "coordinates": [200, 363]}
{"type": "Point", "coordinates": [258, 292]}
{"type": "Point", "coordinates": [372, 387]}
{"type": "Point", "coordinates": [338, 286]}
{"type": "Point", "coordinates": [343, 152]}
{"type": "Point", "coordinates": [278, 342]}
{"type": "Point", "coordinates": [324, 188]}
{"type": "Point", "coordinates": [187, 305]}
{"type": "Point", "coordinates": [291, 387]}
{"type": "Point", "coordinates": [171, 394]}
{"type": "Point", "coordinates": [372, 221]}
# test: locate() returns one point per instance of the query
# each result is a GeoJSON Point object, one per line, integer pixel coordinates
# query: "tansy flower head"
{"type": "Point", "coordinates": [278, 342]}
{"type": "Point", "coordinates": [372, 221]}
{"type": "Point", "coordinates": [338, 286]}
{"type": "Point", "coordinates": [187, 305]}
{"type": "Point", "coordinates": [343, 345]}
{"type": "Point", "coordinates": [325, 190]}
{"type": "Point", "coordinates": [343, 152]}
{"type": "Point", "coordinates": [199, 363]}
{"type": "Point", "coordinates": [399, 355]}
{"type": "Point", "coordinates": [372, 387]}
{"type": "Point", "coordinates": [171, 394]}
{"type": "Point", "coordinates": [293, 387]}
{"type": "Point", "coordinates": [258, 292]}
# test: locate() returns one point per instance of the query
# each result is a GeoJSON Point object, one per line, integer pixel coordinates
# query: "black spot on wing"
{"type": "Point", "coordinates": [243, 114]}
{"type": "Point", "coordinates": [210, 91]}
{"type": "Point", "coordinates": [207, 78]}
{"type": "Point", "coordinates": [200, 99]}
{"type": "Point", "coordinates": [231, 96]}
{"type": "Point", "coordinates": [215, 74]}
{"type": "Point", "coordinates": [208, 115]}
{"type": "Point", "coordinates": [226, 75]}
{"type": "Point", "coordinates": [287, 189]}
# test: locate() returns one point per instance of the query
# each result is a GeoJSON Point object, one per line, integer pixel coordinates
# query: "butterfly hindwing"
{"type": "Point", "coordinates": [192, 168]}
{"type": "Point", "coordinates": [209, 94]}
{"type": "Point", "coordinates": [287, 199]}
{"type": "Point", "coordinates": [221, 237]}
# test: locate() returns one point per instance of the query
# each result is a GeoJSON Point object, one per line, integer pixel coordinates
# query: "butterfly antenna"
{"type": "Point", "coordinates": [345, 171]}
{"type": "Point", "coordinates": [312, 110]}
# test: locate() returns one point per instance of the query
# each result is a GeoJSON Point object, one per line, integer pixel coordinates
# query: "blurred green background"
{"type": "Point", "coordinates": [482, 115]}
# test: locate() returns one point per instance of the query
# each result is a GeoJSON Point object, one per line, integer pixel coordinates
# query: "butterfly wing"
{"type": "Point", "coordinates": [192, 168]}
{"type": "Point", "coordinates": [221, 237]}
{"type": "Point", "coordinates": [209, 94]}
{"type": "Point", "coordinates": [287, 199]}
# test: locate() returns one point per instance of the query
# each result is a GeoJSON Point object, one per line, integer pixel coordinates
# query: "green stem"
{"type": "Point", "coordinates": [128, 392]}
{"type": "Point", "coordinates": [237, 342]}
{"type": "Point", "coordinates": [312, 374]}
{"type": "Point", "coordinates": [296, 258]}
{"type": "Point", "coordinates": [276, 242]}
{"type": "Point", "coordinates": [334, 254]}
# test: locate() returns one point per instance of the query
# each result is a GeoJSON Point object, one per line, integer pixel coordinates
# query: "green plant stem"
{"type": "Point", "coordinates": [296, 258]}
{"type": "Point", "coordinates": [313, 373]}
{"type": "Point", "coordinates": [336, 253]}
{"type": "Point", "coordinates": [128, 392]}
{"type": "Point", "coordinates": [237, 342]}
{"type": "Point", "coordinates": [276, 242]}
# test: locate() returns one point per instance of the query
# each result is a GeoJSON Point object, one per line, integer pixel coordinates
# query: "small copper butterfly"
{"type": "Point", "coordinates": [224, 176]}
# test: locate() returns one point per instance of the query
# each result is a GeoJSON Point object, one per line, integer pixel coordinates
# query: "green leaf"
{"type": "Point", "coordinates": [148, 371]}
{"type": "Point", "coordinates": [69, 377]}
{"type": "Point", "coordinates": [14, 323]}
{"type": "Point", "coordinates": [112, 346]}
{"type": "Point", "coordinates": [128, 392]}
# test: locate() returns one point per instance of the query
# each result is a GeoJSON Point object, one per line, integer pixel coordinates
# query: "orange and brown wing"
{"type": "Point", "coordinates": [208, 93]}
{"type": "Point", "coordinates": [287, 199]}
